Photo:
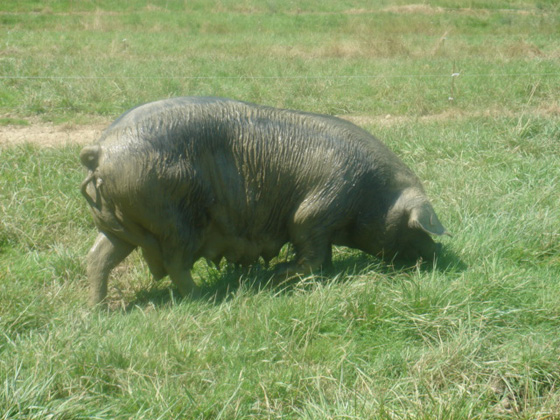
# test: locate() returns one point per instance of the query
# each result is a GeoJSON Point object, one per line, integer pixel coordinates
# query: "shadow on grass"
{"type": "Point", "coordinates": [223, 283]}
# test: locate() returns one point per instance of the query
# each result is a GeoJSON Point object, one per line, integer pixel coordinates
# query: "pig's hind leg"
{"type": "Point", "coordinates": [105, 254]}
{"type": "Point", "coordinates": [180, 273]}
{"type": "Point", "coordinates": [153, 258]}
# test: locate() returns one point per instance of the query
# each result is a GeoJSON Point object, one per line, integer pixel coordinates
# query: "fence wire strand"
{"type": "Point", "coordinates": [295, 77]}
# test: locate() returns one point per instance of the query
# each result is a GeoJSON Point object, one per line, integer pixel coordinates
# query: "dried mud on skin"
{"type": "Point", "coordinates": [51, 135]}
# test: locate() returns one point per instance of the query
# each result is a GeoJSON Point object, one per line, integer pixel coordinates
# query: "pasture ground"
{"type": "Point", "coordinates": [474, 337]}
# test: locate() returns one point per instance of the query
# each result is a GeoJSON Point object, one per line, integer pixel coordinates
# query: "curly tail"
{"type": "Point", "coordinates": [90, 156]}
{"type": "Point", "coordinates": [90, 159]}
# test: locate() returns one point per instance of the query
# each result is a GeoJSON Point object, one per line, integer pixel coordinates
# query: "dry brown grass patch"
{"type": "Point", "coordinates": [49, 135]}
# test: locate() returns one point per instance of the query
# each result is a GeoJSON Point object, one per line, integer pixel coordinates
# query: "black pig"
{"type": "Point", "coordinates": [187, 178]}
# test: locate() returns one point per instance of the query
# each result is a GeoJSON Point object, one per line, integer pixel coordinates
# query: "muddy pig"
{"type": "Point", "coordinates": [186, 178]}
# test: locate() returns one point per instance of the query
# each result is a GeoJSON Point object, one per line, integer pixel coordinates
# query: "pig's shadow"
{"type": "Point", "coordinates": [227, 280]}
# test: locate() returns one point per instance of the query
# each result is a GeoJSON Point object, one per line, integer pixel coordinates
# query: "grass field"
{"type": "Point", "coordinates": [476, 337]}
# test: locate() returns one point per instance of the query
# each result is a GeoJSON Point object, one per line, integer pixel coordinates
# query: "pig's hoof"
{"type": "Point", "coordinates": [285, 274]}
{"type": "Point", "coordinates": [189, 293]}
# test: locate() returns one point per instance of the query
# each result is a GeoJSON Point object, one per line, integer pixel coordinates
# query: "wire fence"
{"type": "Point", "coordinates": [447, 78]}
{"type": "Point", "coordinates": [294, 77]}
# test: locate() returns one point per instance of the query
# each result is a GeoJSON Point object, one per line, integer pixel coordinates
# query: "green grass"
{"type": "Point", "coordinates": [62, 60]}
{"type": "Point", "coordinates": [474, 337]}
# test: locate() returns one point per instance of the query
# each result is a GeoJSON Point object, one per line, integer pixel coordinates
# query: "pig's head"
{"type": "Point", "coordinates": [405, 231]}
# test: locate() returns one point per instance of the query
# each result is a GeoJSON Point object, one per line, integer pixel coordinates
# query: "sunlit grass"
{"type": "Point", "coordinates": [474, 337]}
{"type": "Point", "coordinates": [69, 60]}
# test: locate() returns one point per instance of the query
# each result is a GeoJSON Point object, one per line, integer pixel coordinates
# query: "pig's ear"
{"type": "Point", "coordinates": [424, 217]}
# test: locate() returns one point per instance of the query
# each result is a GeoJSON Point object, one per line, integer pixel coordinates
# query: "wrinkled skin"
{"type": "Point", "coordinates": [187, 178]}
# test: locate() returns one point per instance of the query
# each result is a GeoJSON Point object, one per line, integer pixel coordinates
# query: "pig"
{"type": "Point", "coordinates": [192, 177]}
